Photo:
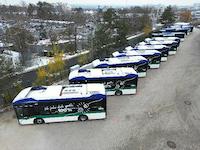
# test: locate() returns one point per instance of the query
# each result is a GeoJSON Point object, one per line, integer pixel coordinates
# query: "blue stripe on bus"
{"type": "Point", "coordinates": [124, 54]}
{"type": "Point", "coordinates": [82, 78]}
{"type": "Point", "coordinates": [121, 64]}
{"type": "Point", "coordinates": [31, 100]}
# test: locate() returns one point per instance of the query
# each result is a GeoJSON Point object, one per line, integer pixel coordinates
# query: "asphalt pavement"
{"type": "Point", "coordinates": [164, 113]}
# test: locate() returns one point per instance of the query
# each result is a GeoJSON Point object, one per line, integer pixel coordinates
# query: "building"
{"type": "Point", "coordinates": [11, 56]}
{"type": "Point", "coordinates": [196, 11]}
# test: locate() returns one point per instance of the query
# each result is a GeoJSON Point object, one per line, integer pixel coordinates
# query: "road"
{"type": "Point", "coordinates": [166, 108]}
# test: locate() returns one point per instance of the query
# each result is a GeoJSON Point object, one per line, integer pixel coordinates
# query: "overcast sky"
{"type": "Point", "coordinates": [109, 2]}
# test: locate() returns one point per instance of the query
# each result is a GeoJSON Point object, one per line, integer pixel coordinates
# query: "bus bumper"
{"type": "Point", "coordinates": [163, 58]}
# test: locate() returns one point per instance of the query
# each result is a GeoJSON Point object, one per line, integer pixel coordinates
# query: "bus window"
{"type": "Point", "coordinates": [19, 112]}
{"type": "Point", "coordinates": [29, 111]}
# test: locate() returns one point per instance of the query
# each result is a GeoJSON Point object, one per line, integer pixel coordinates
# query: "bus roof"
{"type": "Point", "coordinates": [56, 92]}
{"type": "Point", "coordinates": [182, 23]}
{"type": "Point", "coordinates": [113, 61]}
{"type": "Point", "coordinates": [166, 38]}
{"type": "Point", "coordinates": [160, 39]}
{"type": "Point", "coordinates": [136, 53]}
{"type": "Point", "coordinates": [154, 42]}
{"type": "Point", "coordinates": [164, 32]}
{"type": "Point", "coordinates": [144, 45]}
{"type": "Point", "coordinates": [102, 73]}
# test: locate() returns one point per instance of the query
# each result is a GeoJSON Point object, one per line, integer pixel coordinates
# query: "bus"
{"type": "Point", "coordinates": [161, 48]}
{"type": "Point", "coordinates": [184, 25]}
{"type": "Point", "coordinates": [172, 44]}
{"type": "Point", "coordinates": [153, 56]}
{"type": "Point", "coordinates": [138, 63]}
{"type": "Point", "coordinates": [174, 41]}
{"type": "Point", "coordinates": [167, 38]}
{"type": "Point", "coordinates": [176, 29]}
{"type": "Point", "coordinates": [180, 35]}
{"type": "Point", "coordinates": [117, 81]}
{"type": "Point", "coordinates": [47, 104]}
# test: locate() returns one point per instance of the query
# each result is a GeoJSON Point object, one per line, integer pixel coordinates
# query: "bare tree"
{"type": "Point", "coordinates": [21, 39]}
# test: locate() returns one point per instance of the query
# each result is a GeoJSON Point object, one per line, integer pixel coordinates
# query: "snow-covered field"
{"type": "Point", "coordinates": [43, 61]}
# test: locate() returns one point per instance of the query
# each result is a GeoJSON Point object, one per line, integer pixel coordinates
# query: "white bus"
{"type": "Point", "coordinates": [161, 48]}
{"type": "Point", "coordinates": [167, 39]}
{"type": "Point", "coordinates": [117, 81]}
{"type": "Point", "coordinates": [184, 25]}
{"type": "Point", "coordinates": [153, 56]}
{"type": "Point", "coordinates": [164, 33]}
{"type": "Point", "coordinates": [172, 44]}
{"type": "Point", "coordinates": [138, 63]}
{"type": "Point", "coordinates": [46, 104]}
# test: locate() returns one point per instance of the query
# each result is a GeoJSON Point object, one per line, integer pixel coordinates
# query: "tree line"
{"type": "Point", "coordinates": [112, 31]}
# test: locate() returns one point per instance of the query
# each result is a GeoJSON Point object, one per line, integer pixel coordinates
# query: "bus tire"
{"type": "Point", "coordinates": [38, 121]}
{"type": "Point", "coordinates": [118, 93]}
{"type": "Point", "coordinates": [83, 118]}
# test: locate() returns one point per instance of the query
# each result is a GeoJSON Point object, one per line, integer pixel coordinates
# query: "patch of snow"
{"type": "Point", "coordinates": [134, 36]}
{"type": "Point", "coordinates": [2, 44]}
{"type": "Point", "coordinates": [48, 42]}
{"type": "Point", "coordinates": [63, 41]}
{"type": "Point", "coordinates": [52, 21]}
{"type": "Point", "coordinates": [44, 42]}
{"type": "Point", "coordinates": [13, 56]}
{"type": "Point", "coordinates": [43, 61]}
{"type": "Point", "coordinates": [38, 62]}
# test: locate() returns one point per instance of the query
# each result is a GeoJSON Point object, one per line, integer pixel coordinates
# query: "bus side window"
{"type": "Point", "coordinates": [29, 111]}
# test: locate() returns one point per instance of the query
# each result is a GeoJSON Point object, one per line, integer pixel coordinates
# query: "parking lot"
{"type": "Point", "coordinates": [166, 109]}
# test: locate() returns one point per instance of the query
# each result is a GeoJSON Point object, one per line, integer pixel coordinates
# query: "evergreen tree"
{"type": "Point", "coordinates": [30, 10]}
{"type": "Point", "coordinates": [168, 16]}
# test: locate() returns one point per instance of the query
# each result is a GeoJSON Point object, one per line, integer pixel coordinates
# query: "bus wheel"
{"type": "Point", "coordinates": [118, 93]}
{"type": "Point", "coordinates": [83, 118]}
{"type": "Point", "coordinates": [38, 121]}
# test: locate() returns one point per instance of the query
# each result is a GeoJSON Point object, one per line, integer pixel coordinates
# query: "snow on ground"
{"type": "Point", "coordinates": [2, 44]}
{"type": "Point", "coordinates": [44, 42]}
{"type": "Point", "coordinates": [134, 36]}
{"type": "Point", "coordinates": [13, 56]}
{"type": "Point", "coordinates": [38, 62]}
{"type": "Point", "coordinates": [43, 61]}
{"type": "Point", "coordinates": [52, 21]}
{"type": "Point", "coordinates": [48, 42]}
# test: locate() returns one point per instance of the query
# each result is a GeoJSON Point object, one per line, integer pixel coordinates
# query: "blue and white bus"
{"type": "Point", "coordinates": [184, 25]}
{"type": "Point", "coordinates": [167, 39]}
{"type": "Point", "coordinates": [117, 81]}
{"type": "Point", "coordinates": [138, 63]}
{"type": "Point", "coordinates": [161, 48]}
{"type": "Point", "coordinates": [153, 56]}
{"type": "Point", "coordinates": [46, 104]}
{"type": "Point", "coordinates": [176, 29]}
{"type": "Point", "coordinates": [180, 35]}
{"type": "Point", "coordinates": [172, 44]}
